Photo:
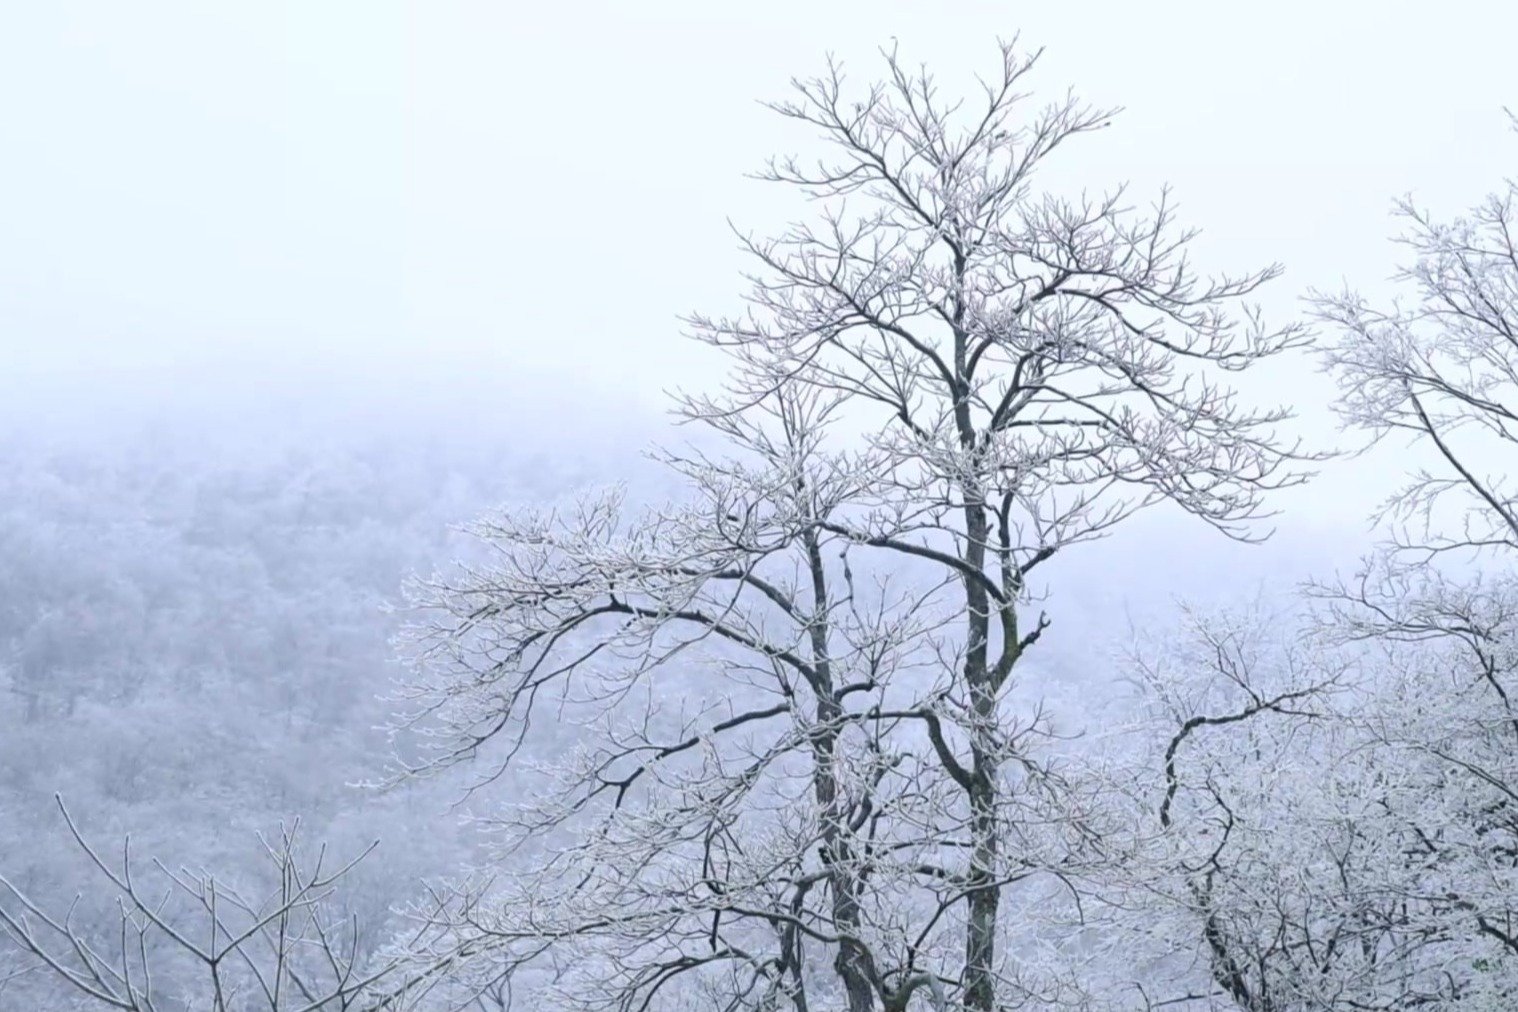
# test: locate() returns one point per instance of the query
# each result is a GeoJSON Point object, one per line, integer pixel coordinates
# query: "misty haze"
{"type": "Point", "coordinates": [879, 508]}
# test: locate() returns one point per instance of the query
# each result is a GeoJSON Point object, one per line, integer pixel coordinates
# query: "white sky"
{"type": "Point", "coordinates": [509, 202]}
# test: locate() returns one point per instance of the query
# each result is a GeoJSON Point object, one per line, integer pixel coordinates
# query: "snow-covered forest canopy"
{"type": "Point", "coordinates": [1024, 599]}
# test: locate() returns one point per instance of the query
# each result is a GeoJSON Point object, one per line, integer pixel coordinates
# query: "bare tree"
{"type": "Point", "coordinates": [1285, 841]}
{"type": "Point", "coordinates": [1445, 371]}
{"type": "Point", "coordinates": [850, 784]}
{"type": "Point", "coordinates": [1336, 823]}
{"type": "Point", "coordinates": [1369, 859]}
{"type": "Point", "coordinates": [190, 940]}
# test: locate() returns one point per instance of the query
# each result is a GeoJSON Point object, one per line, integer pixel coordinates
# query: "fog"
{"type": "Point", "coordinates": [406, 200]}
{"type": "Point", "coordinates": [292, 290]}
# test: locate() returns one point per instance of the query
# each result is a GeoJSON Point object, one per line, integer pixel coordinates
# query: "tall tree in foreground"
{"type": "Point", "coordinates": [836, 811]}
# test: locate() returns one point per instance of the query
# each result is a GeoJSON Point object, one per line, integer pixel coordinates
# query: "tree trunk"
{"type": "Point", "coordinates": [852, 961]}
{"type": "Point", "coordinates": [984, 899]}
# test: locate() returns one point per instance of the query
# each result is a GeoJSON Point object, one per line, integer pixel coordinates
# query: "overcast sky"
{"type": "Point", "coordinates": [428, 203]}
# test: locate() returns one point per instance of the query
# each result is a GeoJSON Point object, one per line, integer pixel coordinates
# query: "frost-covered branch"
{"type": "Point", "coordinates": [285, 949]}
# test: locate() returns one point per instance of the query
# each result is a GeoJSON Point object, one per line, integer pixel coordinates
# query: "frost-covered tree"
{"type": "Point", "coordinates": [1335, 824]}
{"type": "Point", "coordinates": [1444, 369]}
{"type": "Point", "coordinates": [1359, 849]}
{"type": "Point", "coordinates": [1279, 855]}
{"type": "Point", "coordinates": [800, 777]}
